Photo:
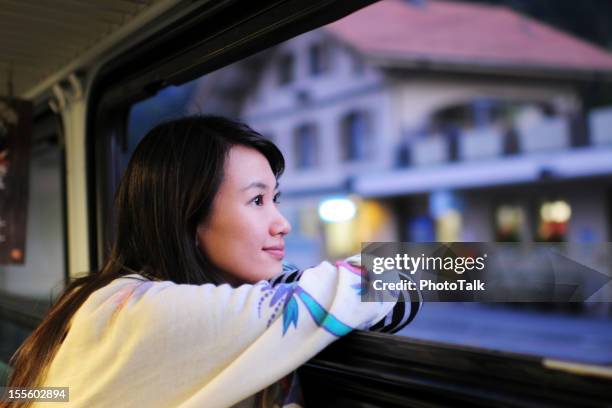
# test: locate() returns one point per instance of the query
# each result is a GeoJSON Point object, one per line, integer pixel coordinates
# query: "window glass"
{"type": "Point", "coordinates": [356, 142]}
{"type": "Point", "coordinates": [554, 218]}
{"type": "Point", "coordinates": [285, 69]}
{"type": "Point", "coordinates": [509, 221]}
{"type": "Point", "coordinates": [306, 146]}
{"type": "Point", "coordinates": [470, 147]}
{"type": "Point", "coordinates": [26, 289]}
{"type": "Point", "coordinates": [43, 270]}
{"type": "Point", "coordinates": [318, 59]}
{"type": "Point", "coordinates": [169, 103]}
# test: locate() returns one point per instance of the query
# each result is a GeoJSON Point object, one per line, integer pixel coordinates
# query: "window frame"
{"type": "Point", "coordinates": [402, 372]}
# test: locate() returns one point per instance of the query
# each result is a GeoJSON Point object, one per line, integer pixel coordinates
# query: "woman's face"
{"type": "Point", "coordinates": [244, 235]}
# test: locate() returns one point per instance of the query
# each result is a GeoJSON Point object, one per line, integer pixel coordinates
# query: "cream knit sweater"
{"type": "Point", "coordinates": [140, 343]}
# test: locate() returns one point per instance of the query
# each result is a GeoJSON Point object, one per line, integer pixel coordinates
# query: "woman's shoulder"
{"type": "Point", "coordinates": [115, 294]}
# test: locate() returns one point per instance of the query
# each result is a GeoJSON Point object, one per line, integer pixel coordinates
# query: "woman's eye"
{"type": "Point", "coordinates": [258, 200]}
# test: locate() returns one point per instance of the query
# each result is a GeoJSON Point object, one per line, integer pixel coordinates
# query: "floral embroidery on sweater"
{"type": "Point", "coordinates": [284, 300]}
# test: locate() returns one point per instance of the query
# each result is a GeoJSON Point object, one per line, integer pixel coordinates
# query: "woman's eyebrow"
{"type": "Point", "coordinates": [259, 185]}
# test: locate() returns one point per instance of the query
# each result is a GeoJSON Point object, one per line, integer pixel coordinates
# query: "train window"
{"type": "Point", "coordinates": [401, 121]}
{"type": "Point", "coordinates": [451, 113]}
{"type": "Point", "coordinates": [27, 287]}
{"type": "Point", "coordinates": [462, 121]}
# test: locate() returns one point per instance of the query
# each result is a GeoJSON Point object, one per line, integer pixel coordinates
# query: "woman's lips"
{"type": "Point", "coordinates": [276, 252]}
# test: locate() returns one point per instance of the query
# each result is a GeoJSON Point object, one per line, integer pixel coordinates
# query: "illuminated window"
{"type": "Point", "coordinates": [554, 217]}
{"type": "Point", "coordinates": [508, 223]}
{"type": "Point", "coordinates": [448, 226]}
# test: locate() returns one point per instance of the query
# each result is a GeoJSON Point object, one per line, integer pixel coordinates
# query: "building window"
{"type": "Point", "coordinates": [553, 220]}
{"type": "Point", "coordinates": [285, 69]}
{"type": "Point", "coordinates": [306, 146]}
{"type": "Point", "coordinates": [356, 138]}
{"type": "Point", "coordinates": [508, 223]}
{"type": "Point", "coordinates": [446, 209]}
{"type": "Point", "coordinates": [449, 226]}
{"type": "Point", "coordinates": [318, 59]}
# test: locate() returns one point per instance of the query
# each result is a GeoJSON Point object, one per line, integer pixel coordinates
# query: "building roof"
{"type": "Point", "coordinates": [459, 33]}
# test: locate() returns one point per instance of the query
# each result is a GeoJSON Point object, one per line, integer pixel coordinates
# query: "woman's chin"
{"type": "Point", "coordinates": [270, 270]}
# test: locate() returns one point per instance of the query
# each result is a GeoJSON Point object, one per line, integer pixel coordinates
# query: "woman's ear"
{"type": "Point", "coordinates": [197, 235]}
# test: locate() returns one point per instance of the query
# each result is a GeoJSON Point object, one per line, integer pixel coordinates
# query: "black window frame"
{"type": "Point", "coordinates": [202, 36]}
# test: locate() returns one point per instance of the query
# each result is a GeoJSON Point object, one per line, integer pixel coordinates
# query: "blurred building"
{"type": "Point", "coordinates": [440, 121]}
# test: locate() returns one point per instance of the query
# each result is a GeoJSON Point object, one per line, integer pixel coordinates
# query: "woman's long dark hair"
{"type": "Point", "coordinates": [167, 190]}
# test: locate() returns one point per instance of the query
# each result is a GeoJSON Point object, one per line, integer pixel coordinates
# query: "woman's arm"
{"type": "Point", "coordinates": [405, 310]}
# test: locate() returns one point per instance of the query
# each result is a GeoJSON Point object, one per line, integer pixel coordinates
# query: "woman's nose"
{"type": "Point", "coordinates": [280, 225]}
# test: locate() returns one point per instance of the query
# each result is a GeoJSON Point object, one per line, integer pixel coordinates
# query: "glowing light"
{"type": "Point", "coordinates": [557, 211]}
{"type": "Point", "coordinates": [545, 211]}
{"type": "Point", "coordinates": [448, 226]}
{"type": "Point", "coordinates": [509, 217]}
{"type": "Point", "coordinates": [560, 211]}
{"type": "Point", "coordinates": [337, 210]}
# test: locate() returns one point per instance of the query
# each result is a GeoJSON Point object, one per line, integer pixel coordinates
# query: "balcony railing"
{"type": "Point", "coordinates": [429, 150]}
{"type": "Point", "coordinates": [481, 144]}
{"type": "Point", "coordinates": [546, 135]}
{"type": "Point", "coordinates": [600, 126]}
{"type": "Point", "coordinates": [550, 134]}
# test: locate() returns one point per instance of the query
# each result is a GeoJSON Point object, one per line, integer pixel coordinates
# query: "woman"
{"type": "Point", "coordinates": [191, 308]}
